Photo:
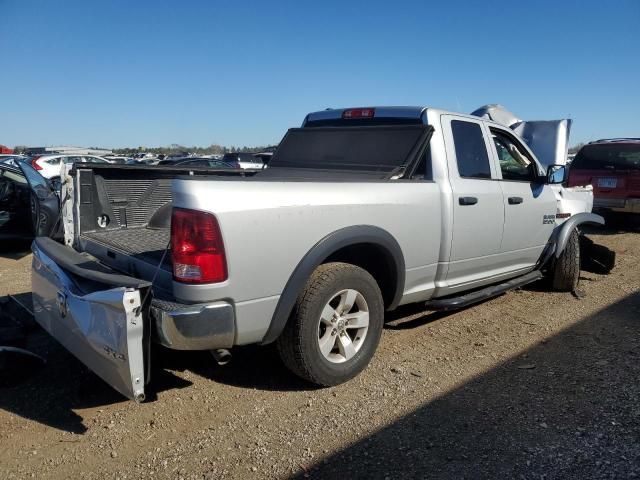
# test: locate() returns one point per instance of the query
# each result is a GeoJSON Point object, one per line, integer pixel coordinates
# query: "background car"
{"type": "Point", "coordinates": [49, 165]}
{"type": "Point", "coordinates": [612, 166]}
{"type": "Point", "coordinates": [199, 162]}
{"type": "Point", "coordinates": [118, 159]}
{"type": "Point", "coordinates": [29, 206]}
{"type": "Point", "coordinates": [244, 160]}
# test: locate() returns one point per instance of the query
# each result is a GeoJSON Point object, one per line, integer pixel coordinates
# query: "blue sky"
{"type": "Point", "coordinates": [148, 73]}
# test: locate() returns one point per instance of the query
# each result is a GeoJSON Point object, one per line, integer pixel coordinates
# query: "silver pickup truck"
{"type": "Point", "coordinates": [361, 210]}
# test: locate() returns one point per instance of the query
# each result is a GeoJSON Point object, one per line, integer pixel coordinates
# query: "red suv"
{"type": "Point", "coordinates": [613, 168]}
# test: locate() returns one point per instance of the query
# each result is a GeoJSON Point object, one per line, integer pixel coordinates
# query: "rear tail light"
{"type": "Point", "coordinates": [358, 113]}
{"type": "Point", "coordinates": [196, 247]}
{"type": "Point", "coordinates": [34, 163]}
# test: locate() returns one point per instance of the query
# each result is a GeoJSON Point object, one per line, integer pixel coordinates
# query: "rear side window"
{"type": "Point", "coordinates": [471, 150]}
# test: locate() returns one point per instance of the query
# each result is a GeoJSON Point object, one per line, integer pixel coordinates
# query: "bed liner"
{"type": "Point", "coordinates": [146, 244]}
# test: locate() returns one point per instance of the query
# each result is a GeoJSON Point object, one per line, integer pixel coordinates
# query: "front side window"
{"type": "Point", "coordinates": [471, 150]}
{"type": "Point", "coordinates": [514, 164]}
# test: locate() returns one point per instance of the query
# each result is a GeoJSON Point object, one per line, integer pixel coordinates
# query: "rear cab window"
{"type": "Point", "coordinates": [382, 149]}
{"type": "Point", "coordinates": [423, 167]}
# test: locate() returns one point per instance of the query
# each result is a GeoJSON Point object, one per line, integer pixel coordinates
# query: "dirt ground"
{"type": "Point", "coordinates": [529, 385]}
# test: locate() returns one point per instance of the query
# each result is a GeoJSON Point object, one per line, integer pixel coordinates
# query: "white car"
{"type": "Point", "coordinates": [49, 165]}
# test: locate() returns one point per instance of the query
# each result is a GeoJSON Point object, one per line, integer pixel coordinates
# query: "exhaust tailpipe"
{"type": "Point", "coordinates": [222, 356]}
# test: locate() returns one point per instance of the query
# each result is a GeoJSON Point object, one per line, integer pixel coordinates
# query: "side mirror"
{"type": "Point", "coordinates": [556, 174]}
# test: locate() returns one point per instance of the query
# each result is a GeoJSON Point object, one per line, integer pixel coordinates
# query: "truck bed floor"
{"type": "Point", "coordinates": [145, 243]}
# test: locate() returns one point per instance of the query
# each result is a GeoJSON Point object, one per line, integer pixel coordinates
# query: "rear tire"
{"type": "Point", "coordinates": [335, 326]}
{"type": "Point", "coordinates": [566, 271]}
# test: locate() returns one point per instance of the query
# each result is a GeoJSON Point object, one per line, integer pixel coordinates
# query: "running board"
{"type": "Point", "coordinates": [454, 303]}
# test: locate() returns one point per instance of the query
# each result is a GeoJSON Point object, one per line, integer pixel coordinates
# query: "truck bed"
{"type": "Point", "coordinates": [146, 244]}
{"type": "Point", "coordinates": [135, 202]}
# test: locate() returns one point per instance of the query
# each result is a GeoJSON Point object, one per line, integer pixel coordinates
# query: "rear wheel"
{"type": "Point", "coordinates": [335, 327]}
{"type": "Point", "coordinates": [566, 271]}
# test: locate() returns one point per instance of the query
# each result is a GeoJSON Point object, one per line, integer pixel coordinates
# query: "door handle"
{"type": "Point", "coordinates": [467, 200]}
{"type": "Point", "coordinates": [515, 200]}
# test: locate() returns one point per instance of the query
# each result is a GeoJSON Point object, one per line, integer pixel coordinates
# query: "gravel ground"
{"type": "Point", "coordinates": [529, 385]}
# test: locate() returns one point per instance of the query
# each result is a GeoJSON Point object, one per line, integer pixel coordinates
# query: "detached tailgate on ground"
{"type": "Point", "coordinates": [94, 313]}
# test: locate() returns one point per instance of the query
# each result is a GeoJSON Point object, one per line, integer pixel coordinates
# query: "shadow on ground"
{"type": "Point", "coordinates": [616, 223]}
{"type": "Point", "coordinates": [15, 249]}
{"type": "Point", "coordinates": [571, 409]}
{"type": "Point", "coordinates": [49, 394]}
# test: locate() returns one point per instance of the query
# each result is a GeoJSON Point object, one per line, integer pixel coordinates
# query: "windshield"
{"type": "Point", "coordinates": [608, 157]}
{"type": "Point", "coordinates": [348, 148]}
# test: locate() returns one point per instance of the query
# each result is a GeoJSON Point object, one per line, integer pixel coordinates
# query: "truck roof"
{"type": "Point", "coordinates": [548, 140]}
{"type": "Point", "coordinates": [400, 112]}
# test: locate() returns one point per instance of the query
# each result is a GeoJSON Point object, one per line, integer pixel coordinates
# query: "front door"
{"type": "Point", "coordinates": [529, 205]}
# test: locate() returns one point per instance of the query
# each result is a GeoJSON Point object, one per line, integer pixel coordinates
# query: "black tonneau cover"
{"type": "Point", "coordinates": [376, 149]}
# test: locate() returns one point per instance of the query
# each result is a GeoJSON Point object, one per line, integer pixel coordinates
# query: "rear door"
{"type": "Point", "coordinates": [478, 211]}
{"type": "Point", "coordinates": [96, 314]}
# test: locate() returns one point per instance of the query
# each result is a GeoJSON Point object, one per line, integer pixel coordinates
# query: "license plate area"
{"type": "Point", "coordinates": [607, 182]}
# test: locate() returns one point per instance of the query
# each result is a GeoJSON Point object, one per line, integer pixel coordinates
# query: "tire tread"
{"type": "Point", "coordinates": [290, 344]}
{"type": "Point", "coordinates": [566, 272]}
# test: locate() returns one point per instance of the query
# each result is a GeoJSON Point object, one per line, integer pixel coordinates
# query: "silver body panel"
{"type": "Point", "coordinates": [288, 219]}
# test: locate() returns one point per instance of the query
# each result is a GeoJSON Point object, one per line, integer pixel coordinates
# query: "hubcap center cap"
{"type": "Point", "coordinates": [341, 324]}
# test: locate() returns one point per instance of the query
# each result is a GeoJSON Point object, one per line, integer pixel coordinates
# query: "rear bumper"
{"type": "Point", "coordinates": [628, 205]}
{"type": "Point", "coordinates": [193, 327]}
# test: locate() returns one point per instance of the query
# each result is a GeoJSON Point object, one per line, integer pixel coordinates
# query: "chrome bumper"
{"type": "Point", "coordinates": [193, 327]}
{"type": "Point", "coordinates": [629, 205]}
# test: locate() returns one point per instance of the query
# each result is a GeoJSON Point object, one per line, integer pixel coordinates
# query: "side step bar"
{"type": "Point", "coordinates": [454, 303]}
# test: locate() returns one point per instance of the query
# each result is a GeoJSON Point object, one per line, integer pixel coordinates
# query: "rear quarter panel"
{"type": "Point", "coordinates": [268, 227]}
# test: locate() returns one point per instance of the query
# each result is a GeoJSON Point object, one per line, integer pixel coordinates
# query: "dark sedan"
{"type": "Point", "coordinates": [29, 205]}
